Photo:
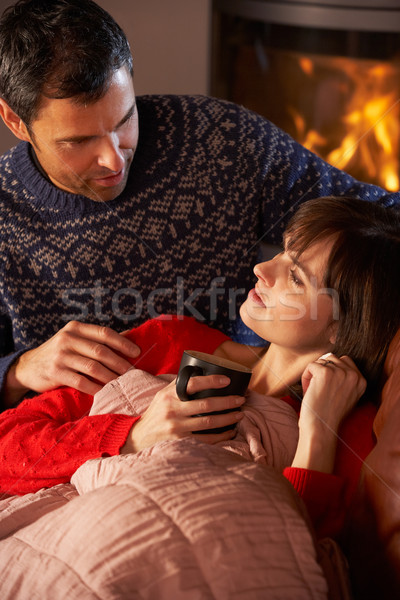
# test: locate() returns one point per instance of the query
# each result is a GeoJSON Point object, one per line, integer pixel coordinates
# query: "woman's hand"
{"type": "Point", "coordinates": [168, 418]}
{"type": "Point", "coordinates": [332, 386]}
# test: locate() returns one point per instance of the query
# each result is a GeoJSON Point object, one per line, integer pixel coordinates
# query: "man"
{"type": "Point", "coordinates": [101, 227]}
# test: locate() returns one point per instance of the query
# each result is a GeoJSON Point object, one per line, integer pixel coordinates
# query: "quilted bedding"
{"type": "Point", "coordinates": [181, 520]}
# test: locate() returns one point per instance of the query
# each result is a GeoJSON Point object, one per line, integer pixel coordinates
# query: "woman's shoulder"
{"type": "Point", "coordinates": [240, 353]}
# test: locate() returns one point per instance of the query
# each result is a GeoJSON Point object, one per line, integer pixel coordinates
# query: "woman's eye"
{"type": "Point", "coordinates": [296, 280]}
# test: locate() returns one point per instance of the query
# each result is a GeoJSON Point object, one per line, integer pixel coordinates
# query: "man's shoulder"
{"type": "Point", "coordinates": [203, 117]}
{"type": "Point", "coordinates": [16, 149]}
{"type": "Point", "coordinates": [5, 157]}
{"type": "Point", "coordinates": [181, 100]}
{"type": "Point", "coordinates": [187, 103]}
{"type": "Point", "coordinates": [13, 156]}
{"type": "Point", "coordinates": [11, 162]}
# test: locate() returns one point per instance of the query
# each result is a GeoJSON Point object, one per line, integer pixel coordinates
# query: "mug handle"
{"type": "Point", "coordinates": [183, 378]}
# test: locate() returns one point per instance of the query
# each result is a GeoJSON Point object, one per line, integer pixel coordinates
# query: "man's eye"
{"type": "Point", "coordinates": [70, 143]}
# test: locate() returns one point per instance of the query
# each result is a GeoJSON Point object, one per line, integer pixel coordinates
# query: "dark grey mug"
{"type": "Point", "coordinates": [195, 363]}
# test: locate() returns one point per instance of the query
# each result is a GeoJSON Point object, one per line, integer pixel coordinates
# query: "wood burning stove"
{"type": "Point", "coordinates": [327, 73]}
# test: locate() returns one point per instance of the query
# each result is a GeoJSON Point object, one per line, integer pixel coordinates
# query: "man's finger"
{"type": "Point", "coordinates": [104, 335]}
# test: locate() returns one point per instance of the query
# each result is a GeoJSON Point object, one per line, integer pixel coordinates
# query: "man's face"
{"type": "Point", "coordinates": [88, 149]}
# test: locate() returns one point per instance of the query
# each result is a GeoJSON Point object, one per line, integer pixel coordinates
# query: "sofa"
{"type": "Point", "coordinates": [373, 541]}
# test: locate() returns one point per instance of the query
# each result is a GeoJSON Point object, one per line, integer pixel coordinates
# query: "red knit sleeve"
{"type": "Point", "coordinates": [324, 496]}
{"type": "Point", "coordinates": [163, 340]}
{"type": "Point", "coordinates": [328, 497]}
{"type": "Point", "coordinates": [46, 438]}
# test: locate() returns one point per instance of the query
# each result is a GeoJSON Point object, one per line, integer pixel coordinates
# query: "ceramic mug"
{"type": "Point", "coordinates": [195, 363]}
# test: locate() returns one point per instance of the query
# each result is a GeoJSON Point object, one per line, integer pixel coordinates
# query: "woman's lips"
{"type": "Point", "coordinates": [254, 297]}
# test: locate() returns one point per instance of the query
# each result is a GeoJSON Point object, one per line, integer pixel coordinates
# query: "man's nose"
{"type": "Point", "coordinates": [110, 155]}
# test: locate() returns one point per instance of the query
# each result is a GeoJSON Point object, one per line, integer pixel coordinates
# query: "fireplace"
{"type": "Point", "coordinates": [326, 73]}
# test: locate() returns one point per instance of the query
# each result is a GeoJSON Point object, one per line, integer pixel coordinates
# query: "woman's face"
{"type": "Point", "coordinates": [290, 306]}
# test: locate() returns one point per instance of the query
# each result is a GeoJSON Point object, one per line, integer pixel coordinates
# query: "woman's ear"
{"type": "Point", "coordinates": [332, 332]}
{"type": "Point", "coordinates": [13, 122]}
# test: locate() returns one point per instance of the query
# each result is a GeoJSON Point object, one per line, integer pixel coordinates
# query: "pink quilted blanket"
{"type": "Point", "coordinates": [181, 520]}
{"type": "Point", "coordinates": [267, 434]}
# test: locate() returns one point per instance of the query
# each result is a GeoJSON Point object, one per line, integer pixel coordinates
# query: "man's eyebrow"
{"type": "Point", "coordinates": [127, 116]}
{"type": "Point", "coordinates": [74, 138]}
{"type": "Point", "coordinates": [82, 138]}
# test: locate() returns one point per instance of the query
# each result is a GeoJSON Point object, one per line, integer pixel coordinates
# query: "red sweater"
{"type": "Point", "coordinates": [46, 438]}
{"type": "Point", "coordinates": [328, 496]}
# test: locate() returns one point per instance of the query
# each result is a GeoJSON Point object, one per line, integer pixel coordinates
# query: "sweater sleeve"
{"type": "Point", "coordinates": [322, 493]}
{"type": "Point", "coordinates": [328, 496]}
{"type": "Point", "coordinates": [46, 438]}
{"type": "Point", "coordinates": [294, 175]}
{"type": "Point", "coordinates": [324, 496]}
{"type": "Point", "coordinates": [163, 340]}
{"type": "Point", "coordinates": [8, 354]}
{"type": "Point", "coordinates": [5, 364]}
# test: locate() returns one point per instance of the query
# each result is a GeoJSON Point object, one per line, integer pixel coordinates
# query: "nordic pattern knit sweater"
{"type": "Point", "coordinates": [208, 181]}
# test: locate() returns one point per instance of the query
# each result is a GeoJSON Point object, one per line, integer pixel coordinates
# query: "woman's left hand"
{"type": "Point", "coordinates": [332, 387]}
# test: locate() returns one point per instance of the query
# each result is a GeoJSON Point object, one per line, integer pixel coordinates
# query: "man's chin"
{"type": "Point", "coordinates": [100, 193]}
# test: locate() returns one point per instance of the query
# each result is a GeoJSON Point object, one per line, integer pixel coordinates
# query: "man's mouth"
{"type": "Point", "coordinates": [111, 180]}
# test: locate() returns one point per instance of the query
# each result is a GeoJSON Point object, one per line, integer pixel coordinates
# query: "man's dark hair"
{"type": "Point", "coordinates": [59, 49]}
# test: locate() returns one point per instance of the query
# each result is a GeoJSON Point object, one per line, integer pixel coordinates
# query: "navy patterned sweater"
{"type": "Point", "coordinates": [209, 181]}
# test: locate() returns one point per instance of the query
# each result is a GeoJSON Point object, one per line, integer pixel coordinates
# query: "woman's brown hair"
{"type": "Point", "coordinates": [363, 268]}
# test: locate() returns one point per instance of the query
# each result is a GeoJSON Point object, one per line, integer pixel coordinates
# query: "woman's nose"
{"type": "Point", "coordinates": [265, 272]}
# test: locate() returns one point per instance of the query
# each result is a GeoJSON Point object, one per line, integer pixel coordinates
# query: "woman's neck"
{"type": "Point", "coordinates": [278, 370]}
{"type": "Point", "coordinates": [275, 370]}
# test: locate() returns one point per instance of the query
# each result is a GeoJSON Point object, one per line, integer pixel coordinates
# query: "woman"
{"type": "Point", "coordinates": [325, 293]}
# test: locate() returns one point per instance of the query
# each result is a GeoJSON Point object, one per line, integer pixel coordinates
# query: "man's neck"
{"type": "Point", "coordinates": [37, 163]}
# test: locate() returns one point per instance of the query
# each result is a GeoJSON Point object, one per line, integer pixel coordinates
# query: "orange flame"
{"type": "Point", "coordinates": [365, 136]}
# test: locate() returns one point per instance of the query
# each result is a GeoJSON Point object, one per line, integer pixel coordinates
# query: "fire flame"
{"type": "Point", "coordinates": [355, 121]}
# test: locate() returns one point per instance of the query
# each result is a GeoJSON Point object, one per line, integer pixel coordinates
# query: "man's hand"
{"type": "Point", "coordinates": [168, 418]}
{"type": "Point", "coordinates": [82, 356]}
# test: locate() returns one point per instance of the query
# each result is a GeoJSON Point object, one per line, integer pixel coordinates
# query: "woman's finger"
{"type": "Point", "coordinates": [328, 359]}
{"type": "Point", "coordinates": [207, 382]}
{"type": "Point", "coordinates": [214, 421]}
{"type": "Point", "coordinates": [212, 404]}
{"type": "Point", "coordinates": [214, 438]}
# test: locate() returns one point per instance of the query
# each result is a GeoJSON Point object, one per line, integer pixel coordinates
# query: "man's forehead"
{"type": "Point", "coordinates": [66, 115]}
